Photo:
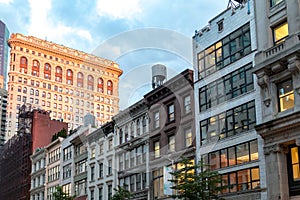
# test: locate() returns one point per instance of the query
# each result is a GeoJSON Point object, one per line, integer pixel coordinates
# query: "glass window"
{"type": "Point", "coordinates": [171, 143]}
{"type": "Point", "coordinates": [156, 119]}
{"type": "Point", "coordinates": [280, 32]}
{"type": "Point", "coordinates": [188, 137]}
{"type": "Point", "coordinates": [156, 149]}
{"type": "Point", "coordinates": [187, 104]}
{"type": "Point", "coordinates": [286, 95]}
{"type": "Point", "coordinates": [275, 2]}
{"type": "Point", "coordinates": [171, 113]}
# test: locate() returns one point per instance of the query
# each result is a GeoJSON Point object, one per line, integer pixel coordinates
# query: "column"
{"type": "Point", "coordinates": [276, 171]}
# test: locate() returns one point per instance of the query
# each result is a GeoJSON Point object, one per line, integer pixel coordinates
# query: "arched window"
{"type": "Point", "coordinates": [109, 87]}
{"type": "Point", "coordinates": [80, 79]}
{"type": "Point", "coordinates": [36, 93]}
{"type": "Point", "coordinates": [19, 89]}
{"type": "Point", "coordinates": [25, 90]}
{"type": "Point", "coordinates": [47, 71]}
{"type": "Point", "coordinates": [58, 74]}
{"type": "Point", "coordinates": [69, 77]}
{"type": "Point", "coordinates": [35, 70]}
{"type": "Point", "coordinates": [23, 65]}
{"type": "Point", "coordinates": [138, 127]}
{"type": "Point", "coordinates": [100, 85]}
{"type": "Point", "coordinates": [144, 124]}
{"type": "Point", "coordinates": [55, 97]}
{"type": "Point", "coordinates": [31, 91]}
{"type": "Point", "coordinates": [90, 82]}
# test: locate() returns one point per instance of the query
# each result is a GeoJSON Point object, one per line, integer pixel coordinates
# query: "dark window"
{"type": "Point", "coordinates": [275, 2]}
{"type": "Point", "coordinates": [293, 166]}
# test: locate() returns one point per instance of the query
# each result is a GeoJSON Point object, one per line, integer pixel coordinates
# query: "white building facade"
{"type": "Point", "coordinates": [226, 104]}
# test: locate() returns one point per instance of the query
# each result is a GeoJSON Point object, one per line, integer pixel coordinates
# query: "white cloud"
{"type": "Point", "coordinates": [119, 9]}
{"type": "Point", "coordinates": [42, 26]}
{"type": "Point", "coordinates": [6, 1]}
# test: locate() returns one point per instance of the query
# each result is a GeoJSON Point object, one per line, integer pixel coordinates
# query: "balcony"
{"type": "Point", "coordinates": [278, 52]}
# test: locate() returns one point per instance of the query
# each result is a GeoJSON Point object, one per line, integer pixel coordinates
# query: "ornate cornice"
{"type": "Point", "coordinates": [63, 51]}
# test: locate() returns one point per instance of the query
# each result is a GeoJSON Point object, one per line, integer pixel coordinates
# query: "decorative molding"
{"type": "Point", "coordinates": [276, 148]}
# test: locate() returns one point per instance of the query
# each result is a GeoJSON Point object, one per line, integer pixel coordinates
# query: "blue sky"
{"type": "Point", "coordinates": [135, 33]}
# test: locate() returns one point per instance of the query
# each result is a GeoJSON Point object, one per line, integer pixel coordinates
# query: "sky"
{"type": "Point", "coordinates": [136, 34]}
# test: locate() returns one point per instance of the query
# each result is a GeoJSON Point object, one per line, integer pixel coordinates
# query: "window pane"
{"type": "Point", "coordinates": [286, 95]}
{"type": "Point", "coordinates": [280, 32]}
{"type": "Point", "coordinates": [242, 151]}
{"type": "Point", "coordinates": [253, 150]}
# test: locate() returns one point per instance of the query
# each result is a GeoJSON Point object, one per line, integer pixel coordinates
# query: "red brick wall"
{"type": "Point", "coordinates": [43, 128]}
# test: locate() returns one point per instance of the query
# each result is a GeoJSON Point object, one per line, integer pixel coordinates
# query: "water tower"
{"type": "Point", "coordinates": [159, 75]}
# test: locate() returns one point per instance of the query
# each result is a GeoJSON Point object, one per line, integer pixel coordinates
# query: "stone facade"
{"type": "Point", "coordinates": [277, 65]}
{"type": "Point", "coordinates": [67, 82]}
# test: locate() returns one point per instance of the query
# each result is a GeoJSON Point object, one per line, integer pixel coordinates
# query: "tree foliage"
{"type": "Point", "coordinates": [62, 133]}
{"type": "Point", "coordinates": [59, 194]}
{"type": "Point", "coordinates": [121, 193]}
{"type": "Point", "coordinates": [195, 182]}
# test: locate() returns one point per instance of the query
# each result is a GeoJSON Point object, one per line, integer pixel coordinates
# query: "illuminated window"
{"type": "Point", "coordinates": [156, 149]}
{"type": "Point", "coordinates": [171, 143]}
{"type": "Point", "coordinates": [286, 95]}
{"type": "Point", "coordinates": [188, 137]}
{"type": "Point", "coordinates": [280, 32]}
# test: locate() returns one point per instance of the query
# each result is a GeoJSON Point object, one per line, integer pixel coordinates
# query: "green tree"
{"type": "Point", "coordinates": [195, 182]}
{"type": "Point", "coordinates": [59, 194]}
{"type": "Point", "coordinates": [121, 193]}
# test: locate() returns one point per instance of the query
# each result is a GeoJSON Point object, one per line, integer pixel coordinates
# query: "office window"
{"type": "Point", "coordinates": [222, 53]}
{"type": "Point", "coordinates": [238, 154]}
{"type": "Point", "coordinates": [156, 119]}
{"type": "Point", "coordinates": [280, 32]}
{"type": "Point", "coordinates": [241, 180]}
{"type": "Point", "coordinates": [293, 166]}
{"type": "Point", "coordinates": [227, 87]}
{"type": "Point", "coordinates": [231, 122]}
{"type": "Point", "coordinates": [156, 149]}
{"type": "Point", "coordinates": [286, 95]}
{"type": "Point", "coordinates": [171, 143]}
{"type": "Point", "coordinates": [171, 113]}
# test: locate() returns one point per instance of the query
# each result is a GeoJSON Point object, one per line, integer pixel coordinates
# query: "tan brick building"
{"type": "Point", "coordinates": [65, 81]}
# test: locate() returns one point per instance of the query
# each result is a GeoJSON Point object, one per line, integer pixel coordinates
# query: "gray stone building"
{"type": "Point", "coordinates": [38, 174]}
{"type": "Point", "coordinates": [132, 148]}
{"type": "Point", "coordinates": [101, 163]}
{"type": "Point", "coordinates": [277, 66]}
{"type": "Point", "coordinates": [226, 104]}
